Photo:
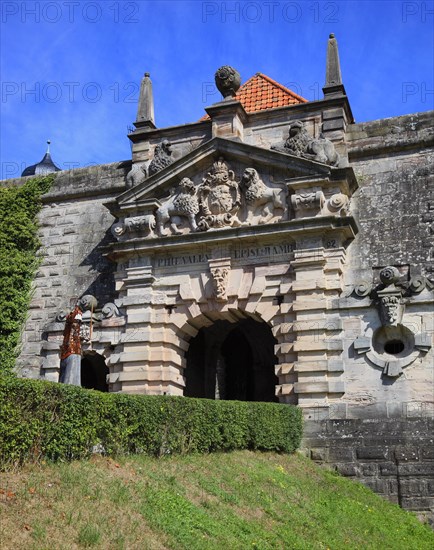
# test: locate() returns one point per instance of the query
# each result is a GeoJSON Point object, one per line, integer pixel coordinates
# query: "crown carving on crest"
{"type": "Point", "coordinates": [220, 167]}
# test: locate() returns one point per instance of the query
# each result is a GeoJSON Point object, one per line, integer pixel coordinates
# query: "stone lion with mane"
{"type": "Point", "coordinates": [261, 199]}
{"type": "Point", "coordinates": [162, 157]}
{"type": "Point", "coordinates": [183, 203]}
{"type": "Point", "coordinates": [301, 144]}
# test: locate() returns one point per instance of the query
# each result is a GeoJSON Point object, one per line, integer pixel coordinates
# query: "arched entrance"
{"type": "Point", "coordinates": [94, 371]}
{"type": "Point", "coordinates": [232, 361]}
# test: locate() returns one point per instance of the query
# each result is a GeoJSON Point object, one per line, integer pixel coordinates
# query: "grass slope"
{"type": "Point", "coordinates": [239, 500]}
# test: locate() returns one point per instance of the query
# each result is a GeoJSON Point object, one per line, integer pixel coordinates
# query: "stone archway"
{"type": "Point", "coordinates": [232, 361]}
{"type": "Point", "coordinates": [94, 371]}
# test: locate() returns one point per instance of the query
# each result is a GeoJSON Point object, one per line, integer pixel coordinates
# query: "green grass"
{"type": "Point", "coordinates": [238, 500]}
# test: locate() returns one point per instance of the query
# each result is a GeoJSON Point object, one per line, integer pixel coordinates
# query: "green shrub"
{"type": "Point", "coordinates": [18, 260]}
{"type": "Point", "coordinates": [41, 419]}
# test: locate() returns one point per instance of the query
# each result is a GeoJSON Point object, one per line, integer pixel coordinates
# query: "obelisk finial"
{"type": "Point", "coordinates": [145, 110]}
{"type": "Point", "coordinates": [333, 86]}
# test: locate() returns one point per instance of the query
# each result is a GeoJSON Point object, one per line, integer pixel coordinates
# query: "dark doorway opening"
{"type": "Point", "coordinates": [94, 372]}
{"type": "Point", "coordinates": [232, 361]}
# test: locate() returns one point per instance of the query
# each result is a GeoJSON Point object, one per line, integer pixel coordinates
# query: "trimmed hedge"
{"type": "Point", "coordinates": [41, 420]}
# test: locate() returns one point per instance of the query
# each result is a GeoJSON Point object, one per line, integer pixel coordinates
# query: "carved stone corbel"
{"type": "Point", "coordinates": [389, 299]}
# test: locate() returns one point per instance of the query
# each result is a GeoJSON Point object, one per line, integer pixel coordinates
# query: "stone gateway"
{"type": "Point", "coordinates": [274, 250]}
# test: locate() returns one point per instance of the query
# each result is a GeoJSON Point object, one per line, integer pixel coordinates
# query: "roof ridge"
{"type": "Point", "coordinates": [246, 82]}
{"type": "Point", "coordinates": [281, 86]}
{"type": "Point", "coordinates": [261, 92]}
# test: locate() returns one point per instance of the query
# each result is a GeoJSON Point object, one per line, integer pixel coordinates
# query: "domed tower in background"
{"type": "Point", "coordinates": [45, 166]}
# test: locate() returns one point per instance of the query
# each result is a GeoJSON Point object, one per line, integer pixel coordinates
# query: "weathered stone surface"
{"type": "Point", "coordinates": [280, 246]}
{"type": "Point", "coordinates": [373, 453]}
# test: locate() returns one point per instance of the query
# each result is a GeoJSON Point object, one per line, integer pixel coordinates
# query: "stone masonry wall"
{"type": "Point", "coordinates": [74, 228]}
{"type": "Point", "coordinates": [394, 162]}
{"type": "Point", "coordinates": [386, 443]}
{"type": "Point", "coordinates": [393, 457]}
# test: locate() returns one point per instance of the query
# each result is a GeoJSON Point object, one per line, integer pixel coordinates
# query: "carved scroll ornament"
{"type": "Point", "coordinates": [144, 224]}
{"type": "Point", "coordinates": [308, 201]}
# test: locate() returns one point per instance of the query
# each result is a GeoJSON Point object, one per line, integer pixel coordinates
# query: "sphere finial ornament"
{"type": "Point", "coordinates": [228, 81]}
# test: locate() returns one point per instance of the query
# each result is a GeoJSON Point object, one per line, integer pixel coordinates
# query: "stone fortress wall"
{"type": "Point", "coordinates": [374, 430]}
{"type": "Point", "coordinates": [382, 433]}
{"type": "Point", "coordinates": [319, 243]}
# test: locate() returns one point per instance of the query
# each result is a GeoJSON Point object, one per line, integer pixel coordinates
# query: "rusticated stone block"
{"type": "Point", "coordinates": [406, 454]}
{"type": "Point", "coordinates": [347, 470]}
{"type": "Point", "coordinates": [369, 469]}
{"type": "Point", "coordinates": [388, 469]}
{"type": "Point", "coordinates": [428, 453]}
{"type": "Point", "coordinates": [372, 453]}
{"type": "Point", "coordinates": [416, 469]}
{"type": "Point", "coordinates": [413, 487]}
{"type": "Point", "coordinates": [339, 454]}
{"type": "Point", "coordinates": [392, 486]}
{"type": "Point", "coordinates": [417, 503]}
{"type": "Point", "coordinates": [318, 454]}
{"type": "Point", "coordinates": [377, 485]}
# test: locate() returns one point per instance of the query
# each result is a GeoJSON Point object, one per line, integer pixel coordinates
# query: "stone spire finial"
{"type": "Point", "coordinates": [333, 86]}
{"type": "Point", "coordinates": [145, 110]}
{"type": "Point", "coordinates": [48, 146]}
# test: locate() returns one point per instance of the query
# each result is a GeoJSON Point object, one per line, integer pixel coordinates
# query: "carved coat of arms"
{"type": "Point", "coordinates": [219, 197]}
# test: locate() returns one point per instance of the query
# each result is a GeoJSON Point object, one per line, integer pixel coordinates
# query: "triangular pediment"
{"type": "Point", "coordinates": [225, 184]}
{"type": "Point", "coordinates": [196, 164]}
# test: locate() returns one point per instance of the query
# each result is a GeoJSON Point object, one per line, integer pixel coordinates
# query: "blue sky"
{"type": "Point", "coordinates": [71, 70]}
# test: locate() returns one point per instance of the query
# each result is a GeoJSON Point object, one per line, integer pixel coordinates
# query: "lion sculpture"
{"type": "Point", "coordinates": [260, 196]}
{"type": "Point", "coordinates": [136, 175]}
{"type": "Point", "coordinates": [162, 157]}
{"type": "Point", "coordinates": [301, 144]}
{"type": "Point", "coordinates": [183, 203]}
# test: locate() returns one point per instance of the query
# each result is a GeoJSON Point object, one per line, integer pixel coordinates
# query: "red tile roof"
{"type": "Point", "coordinates": [261, 92]}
